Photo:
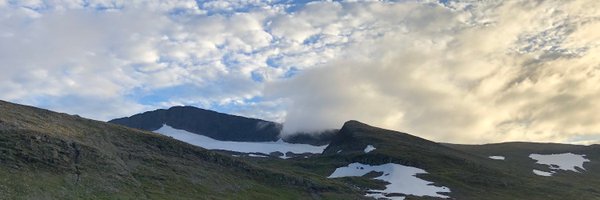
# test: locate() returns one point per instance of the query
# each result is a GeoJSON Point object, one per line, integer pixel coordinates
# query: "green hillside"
{"type": "Point", "coordinates": [466, 170]}
{"type": "Point", "coordinates": [47, 155]}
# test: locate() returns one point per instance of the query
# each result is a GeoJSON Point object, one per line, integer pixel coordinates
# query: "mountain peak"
{"type": "Point", "coordinates": [194, 109]}
{"type": "Point", "coordinates": [354, 123]}
{"type": "Point", "coordinates": [210, 123]}
{"type": "Point", "coordinates": [355, 136]}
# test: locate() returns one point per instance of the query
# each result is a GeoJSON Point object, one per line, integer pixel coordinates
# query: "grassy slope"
{"type": "Point", "coordinates": [470, 175]}
{"type": "Point", "coordinates": [46, 155]}
{"type": "Point", "coordinates": [584, 185]}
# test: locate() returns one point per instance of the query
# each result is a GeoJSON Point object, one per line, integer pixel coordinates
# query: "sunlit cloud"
{"type": "Point", "coordinates": [453, 71]}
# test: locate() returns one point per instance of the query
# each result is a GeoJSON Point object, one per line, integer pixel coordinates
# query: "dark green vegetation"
{"type": "Point", "coordinates": [47, 155]}
{"type": "Point", "coordinates": [565, 184]}
{"type": "Point", "coordinates": [466, 170]}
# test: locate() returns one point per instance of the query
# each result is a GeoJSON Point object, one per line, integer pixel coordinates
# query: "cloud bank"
{"type": "Point", "coordinates": [455, 71]}
{"type": "Point", "coordinates": [458, 72]}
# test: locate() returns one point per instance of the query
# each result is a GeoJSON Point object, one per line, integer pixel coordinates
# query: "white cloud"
{"type": "Point", "coordinates": [465, 71]}
{"type": "Point", "coordinates": [453, 79]}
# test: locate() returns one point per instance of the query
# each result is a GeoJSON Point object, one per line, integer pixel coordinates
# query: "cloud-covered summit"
{"type": "Point", "coordinates": [456, 71]}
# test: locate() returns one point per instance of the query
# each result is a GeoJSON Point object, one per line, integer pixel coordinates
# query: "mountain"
{"type": "Point", "coordinates": [466, 171]}
{"type": "Point", "coordinates": [517, 156]}
{"type": "Point", "coordinates": [48, 155]}
{"type": "Point", "coordinates": [315, 138]}
{"type": "Point", "coordinates": [205, 122]}
{"type": "Point", "coordinates": [219, 126]}
{"type": "Point", "coordinates": [446, 166]}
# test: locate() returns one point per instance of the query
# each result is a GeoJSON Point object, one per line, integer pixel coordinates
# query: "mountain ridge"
{"type": "Point", "coordinates": [220, 126]}
{"type": "Point", "coordinates": [210, 123]}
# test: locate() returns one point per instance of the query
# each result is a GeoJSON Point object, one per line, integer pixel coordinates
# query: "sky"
{"type": "Point", "coordinates": [463, 71]}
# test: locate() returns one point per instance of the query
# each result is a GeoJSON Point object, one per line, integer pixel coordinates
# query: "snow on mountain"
{"type": "Point", "coordinates": [542, 173]}
{"type": "Point", "coordinates": [402, 180]}
{"type": "Point", "coordinates": [497, 157]}
{"type": "Point", "coordinates": [564, 161]}
{"type": "Point", "coordinates": [369, 148]}
{"type": "Point", "coordinates": [244, 147]}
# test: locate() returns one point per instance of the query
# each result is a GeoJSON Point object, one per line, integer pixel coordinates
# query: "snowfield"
{"type": "Point", "coordinates": [402, 179]}
{"type": "Point", "coordinates": [369, 148]}
{"type": "Point", "coordinates": [243, 147]}
{"type": "Point", "coordinates": [564, 161]}
{"type": "Point", "coordinates": [497, 157]}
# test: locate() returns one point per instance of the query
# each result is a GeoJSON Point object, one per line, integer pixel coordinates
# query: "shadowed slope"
{"type": "Point", "coordinates": [205, 122]}
{"type": "Point", "coordinates": [469, 175]}
{"type": "Point", "coordinates": [47, 155]}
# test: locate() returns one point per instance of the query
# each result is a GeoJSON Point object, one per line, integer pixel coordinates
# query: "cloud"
{"type": "Point", "coordinates": [128, 51]}
{"type": "Point", "coordinates": [74, 53]}
{"type": "Point", "coordinates": [462, 75]}
{"type": "Point", "coordinates": [112, 51]}
{"type": "Point", "coordinates": [459, 71]}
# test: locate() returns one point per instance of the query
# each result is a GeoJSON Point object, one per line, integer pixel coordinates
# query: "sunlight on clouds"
{"type": "Point", "coordinates": [455, 82]}
{"type": "Point", "coordinates": [458, 71]}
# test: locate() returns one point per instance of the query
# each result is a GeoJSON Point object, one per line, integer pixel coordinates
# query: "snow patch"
{"type": "Point", "coordinates": [542, 173]}
{"type": "Point", "coordinates": [257, 155]}
{"type": "Point", "coordinates": [564, 161]}
{"type": "Point", "coordinates": [402, 179]}
{"type": "Point", "coordinates": [243, 147]}
{"type": "Point", "coordinates": [369, 148]}
{"type": "Point", "coordinates": [382, 196]}
{"type": "Point", "coordinates": [497, 157]}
